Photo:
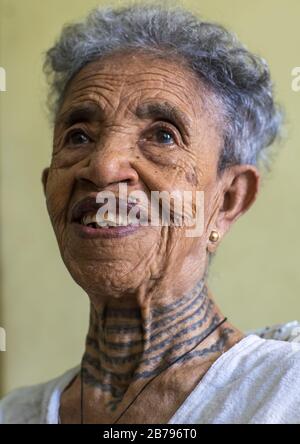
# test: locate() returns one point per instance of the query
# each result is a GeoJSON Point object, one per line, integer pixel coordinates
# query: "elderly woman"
{"type": "Point", "coordinates": [154, 99]}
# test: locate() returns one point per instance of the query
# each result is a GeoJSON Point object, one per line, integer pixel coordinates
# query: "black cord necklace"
{"type": "Point", "coordinates": [150, 380]}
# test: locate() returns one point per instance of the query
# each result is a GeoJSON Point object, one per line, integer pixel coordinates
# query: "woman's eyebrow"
{"type": "Point", "coordinates": [158, 110]}
{"type": "Point", "coordinates": [81, 113]}
{"type": "Point", "coordinates": [166, 111]}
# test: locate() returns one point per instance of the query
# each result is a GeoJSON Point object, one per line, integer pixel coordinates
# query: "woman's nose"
{"type": "Point", "coordinates": [109, 165]}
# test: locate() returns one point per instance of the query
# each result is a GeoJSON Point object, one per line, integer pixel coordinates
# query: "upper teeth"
{"type": "Point", "coordinates": [113, 221]}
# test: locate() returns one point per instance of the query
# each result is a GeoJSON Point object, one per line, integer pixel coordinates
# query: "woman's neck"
{"type": "Point", "coordinates": [128, 345]}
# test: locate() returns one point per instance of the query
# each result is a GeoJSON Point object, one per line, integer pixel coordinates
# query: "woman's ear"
{"type": "Point", "coordinates": [240, 185]}
{"type": "Point", "coordinates": [45, 174]}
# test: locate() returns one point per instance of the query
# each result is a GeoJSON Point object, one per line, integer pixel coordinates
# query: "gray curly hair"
{"type": "Point", "coordinates": [239, 79]}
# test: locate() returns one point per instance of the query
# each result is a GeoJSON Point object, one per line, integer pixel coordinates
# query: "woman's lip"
{"type": "Point", "coordinates": [89, 205]}
{"type": "Point", "coordinates": [108, 233]}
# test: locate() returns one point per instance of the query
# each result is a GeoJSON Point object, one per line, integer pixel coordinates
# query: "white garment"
{"type": "Point", "coordinates": [255, 381]}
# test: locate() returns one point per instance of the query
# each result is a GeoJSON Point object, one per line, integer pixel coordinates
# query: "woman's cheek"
{"type": "Point", "coordinates": [59, 188]}
{"type": "Point", "coordinates": [68, 157]}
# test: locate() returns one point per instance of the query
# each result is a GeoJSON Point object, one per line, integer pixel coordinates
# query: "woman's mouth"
{"type": "Point", "coordinates": [89, 222]}
{"type": "Point", "coordinates": [92, 231]}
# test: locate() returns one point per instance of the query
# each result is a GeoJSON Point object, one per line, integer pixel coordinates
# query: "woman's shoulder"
{"type": "Point", "coordinates": [275, 348]}
{"type": "Point", "coordinates": [255, 381]}
{"type": "Point", "coordinates": [263, 376]}
{"type": "Point", "coordinates": [289, 332]}
{"type": "Point", "coordinates": [32, 405]}
{"type": "Point", "coordinates": [23, 405]}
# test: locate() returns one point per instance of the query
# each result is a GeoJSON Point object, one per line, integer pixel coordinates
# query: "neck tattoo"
{"type": "Point", "coordinates": [149, 381]}
{"type": "Point", "coordinates": [128, 343]}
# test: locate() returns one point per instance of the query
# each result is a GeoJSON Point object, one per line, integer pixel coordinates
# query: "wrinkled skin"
{"type": "Point", "coordinates": [154, 266]}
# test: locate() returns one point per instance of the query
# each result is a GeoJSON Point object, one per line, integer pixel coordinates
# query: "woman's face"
{"type": "Point", "coordinates": [106, 134]}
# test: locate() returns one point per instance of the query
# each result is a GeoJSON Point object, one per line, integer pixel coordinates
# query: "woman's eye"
{"type": "Point", "coordinates": [164, 136]}
{"type": "Point", "coordinates": [78, 138]}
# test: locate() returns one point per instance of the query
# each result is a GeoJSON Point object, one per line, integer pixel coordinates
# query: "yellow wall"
{"type": "Point", "coordinates": [255, 276]}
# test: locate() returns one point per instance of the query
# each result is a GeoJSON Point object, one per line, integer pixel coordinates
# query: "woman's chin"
{"type": "Point", "coordinates": [107, 280]}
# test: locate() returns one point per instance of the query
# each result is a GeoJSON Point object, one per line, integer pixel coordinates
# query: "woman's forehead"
{"type": "Point", "coordinates": [117, 81]}
{"type": "Point", "coordinates": [111, 90]}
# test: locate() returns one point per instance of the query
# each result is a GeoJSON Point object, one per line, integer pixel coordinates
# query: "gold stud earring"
{"type": "Point", "coordinates": [214, 236]}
